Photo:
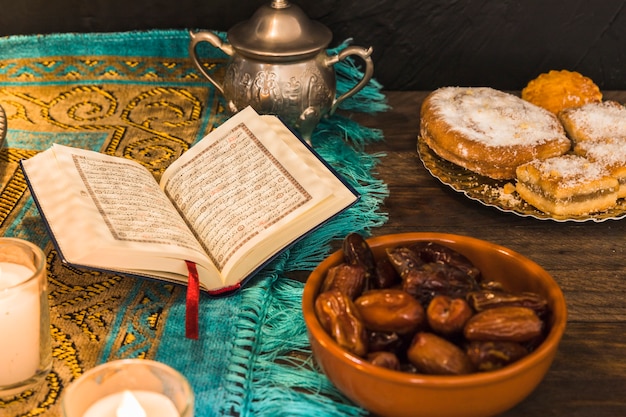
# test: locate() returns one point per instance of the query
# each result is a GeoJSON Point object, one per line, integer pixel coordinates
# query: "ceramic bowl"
{"type": "Point", "coordinates": [393, 393]}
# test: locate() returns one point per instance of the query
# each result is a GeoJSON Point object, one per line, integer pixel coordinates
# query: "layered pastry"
{"type": "Point", "coordinates": [559, 90]}
{"type": "Point", "coordinates": [611, 153]}
{"type": "Point", "coordinates": [594, 121]}
{"type": "Point", "coordinates": [488, 131]}
{"type": "Point", "coordinates": [567, 185]}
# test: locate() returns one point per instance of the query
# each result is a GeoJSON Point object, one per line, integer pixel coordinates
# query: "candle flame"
{"type": "Point", "coordinates": [130, 407]}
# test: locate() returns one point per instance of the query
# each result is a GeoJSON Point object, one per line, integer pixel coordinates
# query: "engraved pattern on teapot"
{"type": "Point", "coordinates": [270, 92]}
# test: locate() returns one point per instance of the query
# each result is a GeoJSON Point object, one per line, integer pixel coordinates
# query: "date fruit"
{"type": "Point", "coordinates": [387, 341]}
{"type": "Point", "coordinates": [429, 280]}
{"type": "Point", "coordinates": [340, 318]}
{"type": "Point", "coordinates": [404, 260]}
{"type": "Point", "coordinates": [349, 279]}
{"type": "Point", "coordinates": [384, 359]}
{"type": "Point", "coordinates": [488, 356]}
{"type": "Point", "coordinates": [432, 354]}
{"type": "Point", "coordinates": [386, 275]}
{"type": "Point", "coordinates": [356, 251]}
{"type": "Point", "coordinates": [512, 324]}
{"type": "Point", "coordinates": [435, 252]}
{"type": "Point", "coordinates": [484, 299]}
{"type": "Point", "coordinates": [447, 315]}
{"type": "Point", "coordinates": [390, 310]}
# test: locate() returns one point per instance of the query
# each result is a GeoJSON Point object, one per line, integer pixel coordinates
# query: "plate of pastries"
{"type": "Point", "coordinates": [557, 152]}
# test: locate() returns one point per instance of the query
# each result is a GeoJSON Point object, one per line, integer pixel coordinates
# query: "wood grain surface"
{"type": "Point", "coordinates": [588, 376]}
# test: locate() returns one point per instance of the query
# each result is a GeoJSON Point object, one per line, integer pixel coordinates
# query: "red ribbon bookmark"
{"type": "Point", "coordinates": [193, 299]}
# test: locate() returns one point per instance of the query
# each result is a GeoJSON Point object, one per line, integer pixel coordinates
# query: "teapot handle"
{"type": "Point", "coordinates": [213, 39]}
{"type": "Point", "coordinates": [365, 55]}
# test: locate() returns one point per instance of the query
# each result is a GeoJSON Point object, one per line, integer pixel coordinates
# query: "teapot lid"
{"type": "Point", "coordinates": [279, 30]}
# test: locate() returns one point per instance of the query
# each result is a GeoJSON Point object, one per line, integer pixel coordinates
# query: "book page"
{"type": "Point", "coordinates": [237, 176]}
{"type": "Point", "coordinates": [249, 189]}
{"type": "Point", "coordinates": [129, 203]}
{"type": "Point", "coordinates": [109, 212]}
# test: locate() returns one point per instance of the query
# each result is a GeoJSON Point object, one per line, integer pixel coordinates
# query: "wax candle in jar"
{"type": "Point", "coordinates": [19, 323]}
{"type": "Point", "coordinates": [136, 403]}
{"type": "Point", "coordinates": [129, 388]}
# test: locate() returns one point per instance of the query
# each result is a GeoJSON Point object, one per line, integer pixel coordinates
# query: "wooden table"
{"type": "Point", "coordinates": [588, 376]}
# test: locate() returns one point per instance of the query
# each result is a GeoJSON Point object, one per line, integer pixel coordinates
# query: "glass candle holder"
{"type": "Point", "coordinates": [25, 346]}
{"type": "Point", "coordinates": [129, 388]}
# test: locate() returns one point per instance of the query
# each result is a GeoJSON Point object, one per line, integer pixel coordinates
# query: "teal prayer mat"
{"type": "Point", "coordinates": [138, 95]}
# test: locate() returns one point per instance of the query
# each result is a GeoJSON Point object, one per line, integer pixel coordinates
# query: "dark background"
{"type": "Point", "coordinates": [418, 44]}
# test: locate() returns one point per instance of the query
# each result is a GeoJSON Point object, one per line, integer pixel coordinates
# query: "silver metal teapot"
{"type": "Point", "coordinates": [278, 65]}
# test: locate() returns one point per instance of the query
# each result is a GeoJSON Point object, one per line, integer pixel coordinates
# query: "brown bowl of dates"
{"type": "Point", "coordinates": [432, 324]}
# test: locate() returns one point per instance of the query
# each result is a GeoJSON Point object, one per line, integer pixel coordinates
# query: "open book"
{"type": "Point", "coordinates": [229, 204]}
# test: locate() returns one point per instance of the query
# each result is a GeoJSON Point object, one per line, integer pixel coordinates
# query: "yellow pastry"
{"type": "Point", "coordinates": [558, 90]}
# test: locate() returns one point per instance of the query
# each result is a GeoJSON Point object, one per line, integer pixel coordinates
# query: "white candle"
{"type": "Point", "coordinates": [134, 403]}
{"type": "Point", "coordinates": [19, 324]}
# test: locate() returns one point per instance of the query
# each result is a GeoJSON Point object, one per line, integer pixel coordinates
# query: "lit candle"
{"type": "Point", "coordinates": [129, 388]}
{"type": "Point", "coordinates": [19, 323]}
{"type": "Point", "coordinates": [134, 403]}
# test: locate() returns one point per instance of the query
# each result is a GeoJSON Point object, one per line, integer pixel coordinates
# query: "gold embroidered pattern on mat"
{"type": "Point", "coordinates": [13, 182]}
{"type": "Point", "coordinates": [153, 125]}
{"type": "Point", "coordinates": [145, 109]}
{"type": "Point", "coordinates": [163, 70]}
